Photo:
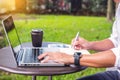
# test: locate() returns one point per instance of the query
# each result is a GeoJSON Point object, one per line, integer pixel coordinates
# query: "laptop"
{"type": "Point", "coordinates": [25, 56]}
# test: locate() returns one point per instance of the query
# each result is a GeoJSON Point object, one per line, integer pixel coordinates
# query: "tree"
{"type": "Point", "coordinates": [20, 5]}
{"type": "Point", "coordinates": [110, 10]}
{"type": "Point", "coordinates": [76, 6]}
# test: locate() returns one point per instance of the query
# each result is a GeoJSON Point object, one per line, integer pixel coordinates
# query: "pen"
{"type": "Point", "coordinates": [77, 36]}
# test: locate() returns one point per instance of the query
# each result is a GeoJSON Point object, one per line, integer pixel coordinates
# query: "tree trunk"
{"type": "Point", "coordinates": [110, 10]}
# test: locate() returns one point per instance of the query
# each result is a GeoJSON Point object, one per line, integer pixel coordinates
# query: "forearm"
{"type": "Point", "coordinates": [101, 59]}
{"type": "Point", "coordinates": [101, 45]}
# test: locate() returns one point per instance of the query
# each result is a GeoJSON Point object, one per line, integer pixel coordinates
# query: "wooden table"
{"type": "Point", "coordinates": [8, 63]}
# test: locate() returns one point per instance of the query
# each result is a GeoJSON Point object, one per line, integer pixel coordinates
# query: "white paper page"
{"type": "Point", "coordinates": [71, 51]}
{"type": "Point", "coordinates": [66, 48]}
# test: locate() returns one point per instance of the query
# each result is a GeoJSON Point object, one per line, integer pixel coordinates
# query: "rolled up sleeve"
{"type": "Point", "coordinates": [116, 51]}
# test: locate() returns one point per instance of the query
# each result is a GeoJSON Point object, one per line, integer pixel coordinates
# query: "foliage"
{"type": "Point", "coordinates": [95, 6]}
{"type": "Point", "coordinates": [99, 5]}
{"type": "Point", "coordinates": [89, 7]}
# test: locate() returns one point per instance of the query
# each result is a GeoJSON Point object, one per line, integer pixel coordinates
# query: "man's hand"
{"type": "Point", "coordinates": [57, 57]}
{"type": "Point", "coordinates": [81, 43]}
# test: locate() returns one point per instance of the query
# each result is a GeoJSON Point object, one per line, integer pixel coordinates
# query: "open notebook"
{"type": "Point", "coordinates": [66, 48]}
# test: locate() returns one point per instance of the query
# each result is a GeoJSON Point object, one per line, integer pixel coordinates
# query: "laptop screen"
{"type": "Point", "coordinates": [11, 33]}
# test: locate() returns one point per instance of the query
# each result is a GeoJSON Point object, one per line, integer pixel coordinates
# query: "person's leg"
{"type": "Point", "coordinates": [108, 75]}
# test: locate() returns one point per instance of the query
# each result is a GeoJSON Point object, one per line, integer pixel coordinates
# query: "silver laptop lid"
{"type": "Point", "coordinates": [11, 34]}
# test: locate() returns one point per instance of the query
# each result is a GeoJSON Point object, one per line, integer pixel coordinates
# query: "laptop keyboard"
{"type": "Point", "coordinates": [36, 54]}
{"type": "Point", "coordinates": [31, 55]}
{"type": "Point", "coordinates": [19, 55]}
{"type": "Point", "coordinates": [30, 58]}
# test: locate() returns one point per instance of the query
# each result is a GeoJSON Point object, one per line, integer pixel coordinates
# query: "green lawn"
{"type": "Point", "coordinates": [61, 28]}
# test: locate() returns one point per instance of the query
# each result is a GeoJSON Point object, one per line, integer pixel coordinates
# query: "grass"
{"type": "Point", "coordinates": [61, 28]}
{"type": "Point", "coordinates": [64, 28]}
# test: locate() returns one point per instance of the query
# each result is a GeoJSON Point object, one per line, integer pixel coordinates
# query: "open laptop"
{"type": "Point", "coordinates": [25, 56]}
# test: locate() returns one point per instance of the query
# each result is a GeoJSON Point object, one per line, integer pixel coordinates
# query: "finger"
{"type": "Point", "coordinates": [81, 39]}
{"type": "Point", "coordinates": [41, 56]}
{"type": "Point", "coordinates": [46, 59]}
{"type": "Point", "coordinates": [77, 48]}
{"type": "Point", "coordinates": [76, 43]}
{"type": "Point", "coordinates": [58, 61]}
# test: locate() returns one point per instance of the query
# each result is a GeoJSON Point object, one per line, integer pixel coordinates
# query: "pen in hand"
{"type": "Point", "coordinates": [77, 36]}
{"type": "Point", "coordinates": [76, 39]}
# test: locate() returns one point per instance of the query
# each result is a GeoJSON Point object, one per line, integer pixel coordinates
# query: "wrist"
{"type": "Point", "coordinates": [71, 59]}
{"type": "Point", "coordinates": [77, 56]}
{"type": "Point", "coordinates": [90, 45]}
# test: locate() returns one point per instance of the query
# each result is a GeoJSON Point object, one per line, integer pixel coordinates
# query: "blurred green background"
{"type": "Point", "coordinates": [60, 23]}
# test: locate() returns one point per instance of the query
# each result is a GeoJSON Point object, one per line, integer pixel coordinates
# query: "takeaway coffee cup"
{"type": "Point", "coordinates": [37, 37]}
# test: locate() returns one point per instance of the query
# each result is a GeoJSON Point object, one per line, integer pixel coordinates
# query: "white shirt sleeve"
{"type": "Point", "coordinates": [116, 51]}
{"type": "Point", "coordinates": [115, 37]}
{"type": "Point", "coordinates": [114, 34]}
